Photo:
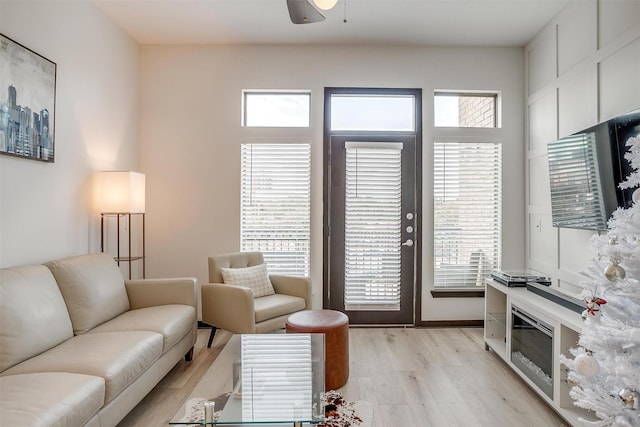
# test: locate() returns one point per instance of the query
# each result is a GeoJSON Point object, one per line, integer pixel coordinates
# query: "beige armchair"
{"type": "Point", "coordinates": [234, 308]}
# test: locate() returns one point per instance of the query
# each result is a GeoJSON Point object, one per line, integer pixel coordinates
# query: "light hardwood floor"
{"type": "Point", "coordinates": [409, 377]}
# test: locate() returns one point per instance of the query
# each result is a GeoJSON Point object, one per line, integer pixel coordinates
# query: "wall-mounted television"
{"type": "Point", "coordinates": [585, 169]}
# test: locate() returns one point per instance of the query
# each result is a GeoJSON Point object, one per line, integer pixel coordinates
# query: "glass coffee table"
{"type": "Point", "coordinates": [274, 379]}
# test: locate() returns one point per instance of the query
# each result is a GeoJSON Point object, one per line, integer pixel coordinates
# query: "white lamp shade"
{"type": "Point", "coordinates": [325, 4]}
{"type": "Point", "coordinates": [121, 192]}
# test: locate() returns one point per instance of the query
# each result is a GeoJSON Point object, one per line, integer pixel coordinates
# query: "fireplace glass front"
{"type": "Point", "coordinates": [532, 349]}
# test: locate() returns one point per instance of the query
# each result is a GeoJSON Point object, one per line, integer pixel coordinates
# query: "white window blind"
{"type": "Point", "coordinates": [467, 181]}
{"type": "Point", "coordinates": [277, 377]}
{"type": "Point", "coordinates": [276, 205]}
{"type": "Point", "coordinates": [372, 226]}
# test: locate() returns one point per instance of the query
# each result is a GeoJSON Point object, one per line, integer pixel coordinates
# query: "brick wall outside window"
{"type": "Point", "coordinates": [476, 111]}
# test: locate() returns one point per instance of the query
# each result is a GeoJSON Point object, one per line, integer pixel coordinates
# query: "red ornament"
{"type": "Point", "coordinates": [593, 305]}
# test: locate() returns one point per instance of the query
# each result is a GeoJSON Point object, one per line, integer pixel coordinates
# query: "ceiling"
{"type": "Point", "coordinates": [379, 22]}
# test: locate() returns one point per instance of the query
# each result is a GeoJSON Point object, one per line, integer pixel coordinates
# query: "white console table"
{"type": "Point", "coordinates": [566, 325]}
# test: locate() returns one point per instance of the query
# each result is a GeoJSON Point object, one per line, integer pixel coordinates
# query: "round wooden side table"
{"type": "Point", "coordinates": [335, 326]}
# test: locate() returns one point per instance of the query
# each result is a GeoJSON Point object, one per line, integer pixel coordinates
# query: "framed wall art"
{"type": "Point", "coordinates": [27, 102]}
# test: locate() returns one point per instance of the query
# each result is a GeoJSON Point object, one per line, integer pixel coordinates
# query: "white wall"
{"type": "Point", "coordinates": [45, 209]}
{"type": "Point", "coordinates": [188, 121]}
{"type": "Point", "coordinates": [190, 138]}
{"type": "Point", "coordinates": [582, 69]}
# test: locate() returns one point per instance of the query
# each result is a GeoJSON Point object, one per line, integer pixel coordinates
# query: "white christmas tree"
{"type": "Point", "coordinates": [606, 368]}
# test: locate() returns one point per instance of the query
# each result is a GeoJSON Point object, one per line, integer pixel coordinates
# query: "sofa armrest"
{"type": "Point", "coordinates": [228, 307]}
{"type": "Point", "coordinates": [152, 292]}
{"type": "Point", "coordinates": [296, 286]}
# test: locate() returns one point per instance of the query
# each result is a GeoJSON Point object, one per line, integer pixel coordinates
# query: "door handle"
{"type": "Point", "coordinates": [409, 243]}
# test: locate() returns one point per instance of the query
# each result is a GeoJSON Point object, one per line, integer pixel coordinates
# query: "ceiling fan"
{"type": "Point", "coordinates": [306, 11]}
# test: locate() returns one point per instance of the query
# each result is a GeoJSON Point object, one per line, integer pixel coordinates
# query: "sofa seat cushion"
{"type": "Point", "coordinates": [33, 315]}
{"type": "Point", "coordinates": [276, 305]}
{"type": "Point", "coordinates": [118, 357]}
{"type": "Point", "coordinates": [173, 321]}
{"type": "Point", "coordinates": [50, 399]}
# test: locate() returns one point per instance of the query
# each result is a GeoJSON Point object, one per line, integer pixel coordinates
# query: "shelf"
{"type": "Point", "coordinates": [575, 413]}
{"type": "Point", "coordinates": [495, 323]}
{"type": "Point", "coordinates": [497, 345]}
{"type": "Point", "coordinates": [496, 326]}
{"type": "Point", "coordinates": [128, 258]}
{"type": "Point", "coordinates": [499, 318]}
{"type": "Point", "coordinates": [566, 386]}
{"type": "Point", "coordinates": [119, 241]}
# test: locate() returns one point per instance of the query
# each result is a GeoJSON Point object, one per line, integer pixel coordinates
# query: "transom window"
{"type": "Point", "coordinates": [458, 109]}
{"type": "Point", "coordinates": [275, 109]}
{"type": "Point", "coordinates": [372, 112]}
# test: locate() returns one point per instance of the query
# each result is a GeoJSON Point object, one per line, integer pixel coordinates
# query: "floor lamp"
{"type": "Point", "coordinates": [121, 196]}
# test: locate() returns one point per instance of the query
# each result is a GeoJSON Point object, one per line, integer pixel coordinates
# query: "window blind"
{"type": "Point", "coordinates": [467, 181]}
{"type": "Point", "coordinates": [277, 377]}
{"type": "Point", "coordinates": [276, 205]}
{"type": "Point", "coordinates": [373, 202]}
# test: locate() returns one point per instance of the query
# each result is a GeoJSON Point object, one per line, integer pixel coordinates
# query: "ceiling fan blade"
{"type": "Point", "coordinates": [303, 12]}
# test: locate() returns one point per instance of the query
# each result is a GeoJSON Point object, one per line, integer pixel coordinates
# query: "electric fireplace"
{"type": "Point", "coordinates": [532, 349]}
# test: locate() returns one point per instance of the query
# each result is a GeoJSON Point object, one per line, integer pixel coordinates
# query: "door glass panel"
{"type": "Point", "coordinates": [373, 219]}
{"type": "Point", "coordinates": [373, 112]}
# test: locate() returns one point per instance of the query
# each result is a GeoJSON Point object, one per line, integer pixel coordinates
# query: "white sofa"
{"type": "Point", "coordinates": [79, 345]}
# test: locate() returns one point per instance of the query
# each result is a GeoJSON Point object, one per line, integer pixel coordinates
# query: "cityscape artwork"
{"type": "Point", "coordinates": [27, 102]}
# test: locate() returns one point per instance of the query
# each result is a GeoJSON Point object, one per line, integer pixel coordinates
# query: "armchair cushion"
{"type": "Point", "coordinates": [277, 305]}
{"type": "Point", "coordinates": [255, 278]}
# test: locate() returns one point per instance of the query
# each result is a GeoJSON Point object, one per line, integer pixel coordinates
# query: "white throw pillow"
{"type": "Point", "coordinates": [256, 278]}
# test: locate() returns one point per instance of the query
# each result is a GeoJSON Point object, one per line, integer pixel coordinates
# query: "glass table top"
{"type": "Point", "coordinates": [270, 379]}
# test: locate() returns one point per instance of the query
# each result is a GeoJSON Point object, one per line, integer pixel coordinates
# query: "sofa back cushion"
{"type": "Point", "coordinates": [33, 315]}
{"type": "Point", "coordinates": [92, 287]}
